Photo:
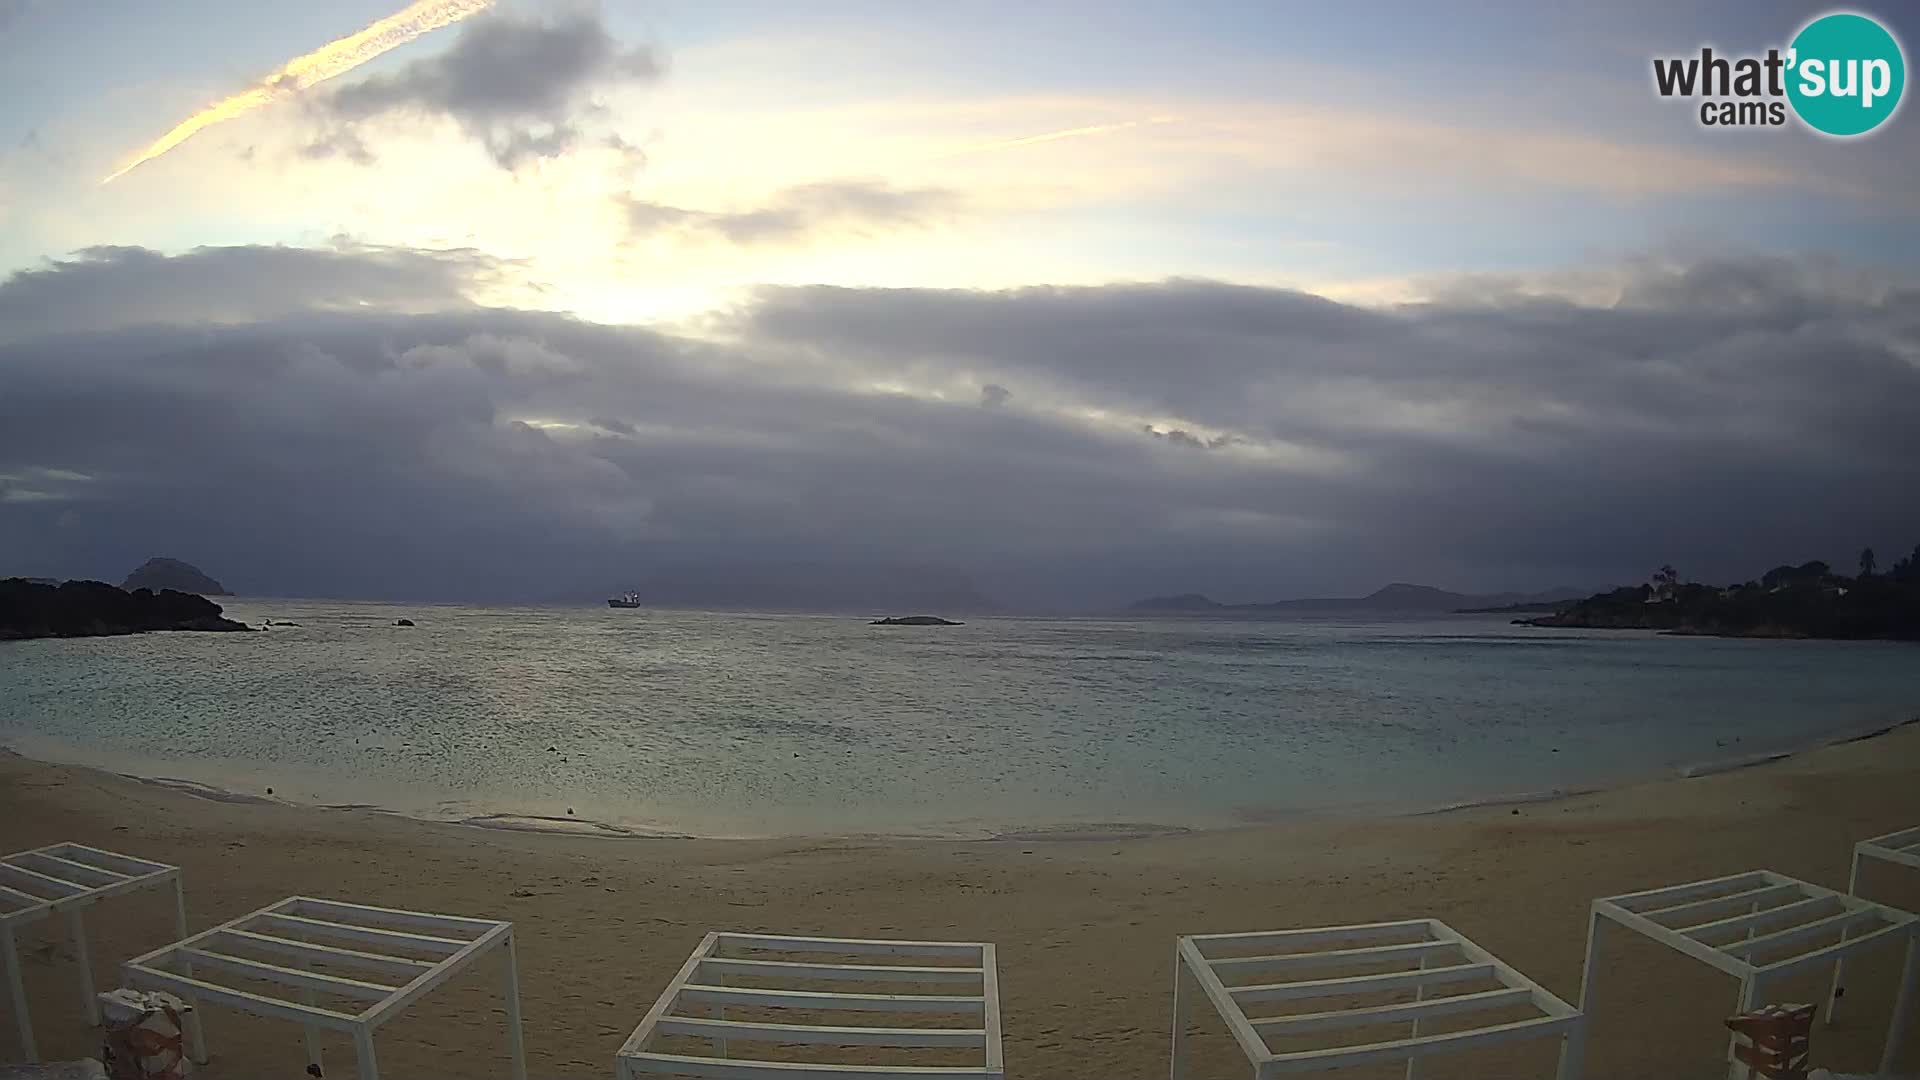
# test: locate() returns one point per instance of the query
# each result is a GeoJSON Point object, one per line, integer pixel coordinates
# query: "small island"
{"type": "Point", "coordinates": [915, 620]}
{"type": "Point", "coordinates": [1804, 601]}
{"type": "Point", "coordinates": [95, 609]}
{"type": "Point", "coordinates": [160, 574]}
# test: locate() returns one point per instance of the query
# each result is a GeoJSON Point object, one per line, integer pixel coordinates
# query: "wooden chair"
{"type": "Point", "coordinates": [1773, 1041]}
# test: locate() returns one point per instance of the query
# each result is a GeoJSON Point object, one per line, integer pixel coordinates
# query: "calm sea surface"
{"type": "Point", "coordinates": [739, 724]}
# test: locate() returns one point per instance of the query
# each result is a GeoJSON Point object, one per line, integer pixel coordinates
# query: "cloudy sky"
{"type": "Point", "coordinates": [514, 300]}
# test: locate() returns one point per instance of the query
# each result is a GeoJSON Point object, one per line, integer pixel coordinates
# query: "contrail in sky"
{"type": "Point", "coordinates": [1051, 136]}
{"type": "Point", "coordinates": [332, 59]}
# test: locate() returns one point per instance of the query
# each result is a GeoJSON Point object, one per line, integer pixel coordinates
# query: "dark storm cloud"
{"type": "Point", "coordinates": [1724, 416]}
{"type": "Point", "coordinates": [857, 207]}
{"type": "Point", "coordinates": [1529, 433]}
{"type": "Point", "coordinates": [1273, 364]}
{"type": "Point", "coordinates": [104, 287]}
{"type": "Point", "coordinates": [518, 85]}
{"type": "Point", "coordinates": [612, 426]}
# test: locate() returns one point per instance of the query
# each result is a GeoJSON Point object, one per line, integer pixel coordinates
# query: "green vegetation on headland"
{"type": "Point", "coordinates": [1804, 601]}
{"type": "Point", "coordinates": [30, 609]}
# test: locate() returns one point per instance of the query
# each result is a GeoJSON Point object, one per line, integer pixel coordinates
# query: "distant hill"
{"type": "Point", "coordinates": [1399, 596]}
{"type": "Point", "coordinates": [1192, 601]}
{"type": "Point", "coordinates": [158, 574]}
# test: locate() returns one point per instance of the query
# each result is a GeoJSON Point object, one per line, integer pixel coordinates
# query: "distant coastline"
{"type": "Point", "coordinates": [1515, 609]}
{"type": "Point", "coordinates": [30, 609]}
{"type": "Point", "coordinates": [1805, 601]}
{"type": "Point", "coordinates": [1808, 600]}
{"type": "Point", "coordinates": [1398, 597]}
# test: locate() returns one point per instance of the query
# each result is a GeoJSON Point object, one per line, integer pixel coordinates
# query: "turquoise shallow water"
{"type": "Point", "coordinates": [740, 724]}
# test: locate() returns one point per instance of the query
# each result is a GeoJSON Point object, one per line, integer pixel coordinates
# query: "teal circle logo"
{"type": "Point", "coordinates": [1846, 74]}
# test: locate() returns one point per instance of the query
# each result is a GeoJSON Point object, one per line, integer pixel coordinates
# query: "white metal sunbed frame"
{"type": "Point", "coordinates": [970, 988]}
{"type": "Point", "coordinates": [1727, 922]}
{"type": "Point", "coordinates": [1418, 954]}
{"type": "Point", "coordinates": [1901, 849]}
{"type": "Point", "coordinates": [67, 879]}
{"type": "Point", "coordinates": [387, 943]}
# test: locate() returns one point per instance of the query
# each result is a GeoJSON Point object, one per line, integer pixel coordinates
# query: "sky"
{"type": "Point", "coordinates": [1077, 302]}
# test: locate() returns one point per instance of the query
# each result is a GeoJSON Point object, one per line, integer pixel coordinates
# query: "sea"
{"type": "Point", "coordinates": [655, 722]}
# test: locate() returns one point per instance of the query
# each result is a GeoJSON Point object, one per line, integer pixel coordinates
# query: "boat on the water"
{"type": "Point", "coordinates": [624, 600]}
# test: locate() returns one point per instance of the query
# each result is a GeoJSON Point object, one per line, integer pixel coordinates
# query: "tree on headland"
{"type": "Point", "coordinates": [1665, 580]}
{"type": "Point", "coordinates": [1867, 562]}
{"type": "Point", "coordinates": [1907, 566]}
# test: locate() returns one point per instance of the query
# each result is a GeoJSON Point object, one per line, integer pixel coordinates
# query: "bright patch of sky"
{"type": "Point", "coordinates": [1342, 147]}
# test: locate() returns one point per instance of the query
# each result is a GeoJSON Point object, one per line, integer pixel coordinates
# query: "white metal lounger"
{"type": "Point", "coordinates": [1449, 975]}
{"type": "Point", "coordinates": [1760, 926]}
{"type": "Point", "coordinates": [1901, 849]}
{"type": "Point", "coordinates": [67, 879]}
{"type": "Point", "coordinates": [398, 957]}
{"type": "Point", "coordinates": [756, 972]}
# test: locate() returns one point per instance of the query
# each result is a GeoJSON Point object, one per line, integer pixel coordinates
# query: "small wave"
{"type": "Point", "coordinates": [1733, 764]}
{"type": "Point", "coordinates": [1523, 798]}
{"type": "Point", "coordinates": [566, 826]}
{"type": "Point", "coordinates": [1092, 832]}
{"type": "Point", "coordinates": [571, 826]}
{"type": "Point", "coordinates": [203, 791]}
{"type": "Point", "coordinates": [1713, 766]}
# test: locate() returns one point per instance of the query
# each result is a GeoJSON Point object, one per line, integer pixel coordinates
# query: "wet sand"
{"type": "Point", "coordinates": [1085, 921]}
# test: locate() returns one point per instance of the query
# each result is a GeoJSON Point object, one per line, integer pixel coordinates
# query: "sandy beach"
{"type": "Point", "coordinates": [1085, 926]}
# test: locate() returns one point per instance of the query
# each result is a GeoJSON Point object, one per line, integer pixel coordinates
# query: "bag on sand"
{"type": "Point", "coordinates": [143, 1035]}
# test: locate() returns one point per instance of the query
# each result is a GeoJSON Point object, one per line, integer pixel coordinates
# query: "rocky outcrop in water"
{"type": "Point", "coordinates": [95, 608]}
{"type": "Point", "coordinates": [915, 620]}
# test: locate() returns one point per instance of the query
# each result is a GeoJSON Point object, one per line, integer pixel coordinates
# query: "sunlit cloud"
{"type": "Point", "coordinates": [331, 60]}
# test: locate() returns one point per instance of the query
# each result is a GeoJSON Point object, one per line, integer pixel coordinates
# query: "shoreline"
{"type": "Point", "coordinates": [1087, 831]}
{"type": "Point", "coordinates": [1084, 920]}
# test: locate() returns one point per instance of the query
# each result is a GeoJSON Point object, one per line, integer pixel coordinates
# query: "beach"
{"type": "Point", "coordinates": [1085, 922]}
